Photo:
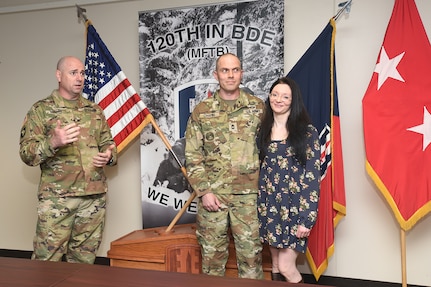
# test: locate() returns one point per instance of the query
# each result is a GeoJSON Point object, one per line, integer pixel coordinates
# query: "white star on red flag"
{"type": "Point", "coordinates": [424, 129]}
{"type": "Point", "coordinates": [387, 68]}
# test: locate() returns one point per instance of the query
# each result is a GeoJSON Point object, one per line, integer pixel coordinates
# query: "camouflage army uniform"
{"type": "Point", "coordinates": [222, 158]}
{"type": "Point", "coordinates": [71, 193]}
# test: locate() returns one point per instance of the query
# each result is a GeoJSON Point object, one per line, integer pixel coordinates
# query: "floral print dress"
{"type": "Point", "coordinates": [288, 193]}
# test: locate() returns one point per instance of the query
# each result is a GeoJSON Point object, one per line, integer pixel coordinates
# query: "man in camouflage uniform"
{"type": "Point", "coordinates": [223, 167]}
{"type": "Point", "coordinates": [69, 138]}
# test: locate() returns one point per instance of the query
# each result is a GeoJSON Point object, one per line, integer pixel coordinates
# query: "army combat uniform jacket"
{"type": "Point", "coordinates": [221, 153]}
{"type": "Point", "coordinates": [68, 170]}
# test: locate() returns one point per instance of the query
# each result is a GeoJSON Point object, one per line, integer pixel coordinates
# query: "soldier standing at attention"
{"type": "Point", "coordinates": [68, 137]}
{"type": "Point", "coordinates": [223, 167]}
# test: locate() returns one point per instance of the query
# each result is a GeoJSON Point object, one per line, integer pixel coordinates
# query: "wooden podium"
{"type": "Point", "coordinates": [174, 251]}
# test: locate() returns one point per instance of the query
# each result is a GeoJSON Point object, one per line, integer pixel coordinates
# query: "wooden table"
{"type": "Point", "coordinates": [26, 272]}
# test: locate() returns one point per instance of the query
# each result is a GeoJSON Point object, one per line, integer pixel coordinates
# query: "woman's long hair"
{"type": "Point", "coordinates": [297, 123]}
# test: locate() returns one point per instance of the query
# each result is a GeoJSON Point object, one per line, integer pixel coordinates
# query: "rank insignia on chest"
{"type": "Point", "coordinates": [233, 127]}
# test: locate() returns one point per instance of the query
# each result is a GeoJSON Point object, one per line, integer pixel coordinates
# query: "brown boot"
{"type": "Point", "coordinates": [277, 277]}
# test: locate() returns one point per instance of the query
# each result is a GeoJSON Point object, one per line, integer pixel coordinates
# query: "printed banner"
{"type": "Point", "coordinates": [178, 50]}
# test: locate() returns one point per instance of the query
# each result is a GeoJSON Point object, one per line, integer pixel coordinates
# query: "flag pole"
{"type": "Point", "coordinates": [183, 169]}
{"type": "Point", "coordinates": [82, 17]}
{"type": "Point", "coordinates": [403, 258]}
{"type": "Point", "coordinates": [346, 8]}
{"type": "Point", "coordinates": [81, 14]}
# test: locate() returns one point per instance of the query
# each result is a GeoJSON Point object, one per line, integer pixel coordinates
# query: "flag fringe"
{"type": "Point", "coordinates": [405, 224]}
{"type": "Point", "coordinates": [318, 270]}
{"type": "Point", "coordinates": [341, 212]}
{"type": "Point", "coordinates": [148, 119]}
{"type": "Point", "coordinates": [341, 209]}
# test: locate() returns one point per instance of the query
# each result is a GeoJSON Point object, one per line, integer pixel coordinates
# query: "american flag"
{"type": "Point", "coordinates": [107, 85]}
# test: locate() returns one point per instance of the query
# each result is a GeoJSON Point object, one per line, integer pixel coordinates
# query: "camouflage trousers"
{"type": "Point", "coordinates": [239, 212]}
{"type": "Point", "coordinates": [69, 225]}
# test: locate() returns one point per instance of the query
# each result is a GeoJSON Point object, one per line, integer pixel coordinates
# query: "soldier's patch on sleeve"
{"type": "Point", "coordinates": [209, 136]}
{"type": "Point", "coordinates": [23, 132]}
{"type": "Point", "coordinates": [23, 129]}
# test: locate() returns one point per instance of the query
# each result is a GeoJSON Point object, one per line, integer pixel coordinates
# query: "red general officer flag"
{"type": "Point", "coordinates": [397, 119]}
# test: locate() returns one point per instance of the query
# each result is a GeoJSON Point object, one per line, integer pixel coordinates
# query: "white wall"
{"type": "Point", "coordinates": [367, 242]}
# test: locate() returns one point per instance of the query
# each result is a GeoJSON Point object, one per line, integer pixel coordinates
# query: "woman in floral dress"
{"type": "Point", "coordinates": [289, 178]}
